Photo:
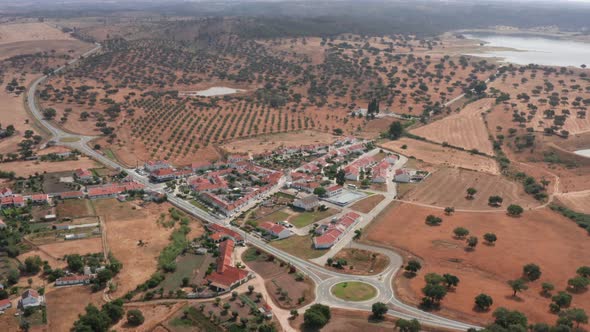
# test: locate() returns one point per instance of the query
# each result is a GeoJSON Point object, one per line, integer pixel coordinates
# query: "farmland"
{"type": "Point", "coordinates": [448, 187]}
{"type": "Point", "coordinates": [540, 236]}
{"type": "Point", "coordinates": [465, 129]}
{"type": "Point", "coordinates": [444, 156]}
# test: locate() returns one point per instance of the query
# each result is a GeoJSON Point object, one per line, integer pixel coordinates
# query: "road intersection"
{"type": "Point", "coordinates": [323, 278]}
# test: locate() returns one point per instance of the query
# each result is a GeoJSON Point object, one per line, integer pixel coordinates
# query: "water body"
{"type": "Point", "coordinates": [584, 153]}
{"type": "Point", "coordinates": [534, 49]}
{"type": "Point", "coordinates": [217, 91]}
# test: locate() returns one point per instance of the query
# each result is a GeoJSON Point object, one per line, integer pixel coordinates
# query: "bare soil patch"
{"type": "Point", "coordinates": [439, 155]}
{"type": "Point", "coordinates": [10, 33]}
{"type": "Point", "coordinates": [542, 237]}
{"type": "Point", "coordinates": [465, 129]}
{"type": "Point", "coordinates": [367, 204]}
{"type": "Point", "coordinates": [73, 208]}
{"type": "Point", "coordinates": [448, 187]}
{"type": "Point", "coordinates": [349, 320]}
{"type": "Point", "coordinates": [82, 247]}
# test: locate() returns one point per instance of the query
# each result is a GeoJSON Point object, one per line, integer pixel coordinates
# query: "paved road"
{"type": "Point", "coordinates": [322, 277]}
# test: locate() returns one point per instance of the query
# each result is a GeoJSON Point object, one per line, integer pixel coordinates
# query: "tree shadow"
{"type": "Point", "coordinates": [409, 275]}
{"type": "Point", "coordinates": [480, 310]}
{"type": "Point", "coordinates": [514, 298]}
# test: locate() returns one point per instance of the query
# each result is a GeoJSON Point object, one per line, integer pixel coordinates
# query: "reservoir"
{"type": "Point", "coordinates": [525, 49]}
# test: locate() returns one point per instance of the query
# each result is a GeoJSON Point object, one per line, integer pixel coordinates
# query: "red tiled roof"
{"type": "Point", "coordinates": [335, 187]}
{"type": "Point", "coordinates": [4, 302]}
{"type": "Point", "coordinates": [229, 276]}
{"type": "Point", "coordinates": [39, 197]}
{"type": "Point", "coordinates": [221, 229]}
{"type": "Point", "coordinates": [328, 237]}
{"type": "Point", "coordinates": [271, 227]}
{"type": "Point", "coordinates": [5, 191]}
{"type": "Point", "coordinates": [16, 199]}
{"type": "Point", "coordinates": [81, 172]}
{"type": "Point", "coordinates": [30, 293]}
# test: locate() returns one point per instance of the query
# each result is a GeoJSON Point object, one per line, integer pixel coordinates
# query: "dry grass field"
{"type": "Point", "coordinates": [126, 224]}
{"type": "Point", "coordinates": [448, 187]}
{"type": "Point", "coordinates": [82, 247]}
{"type": "Point", "coordinates": [465, 129]}
{"type": "Point", "coordinates": [18, 32]}
{"type": "Point", "coordinates": [367, 204]}
{"type": "Point", "coordinates": [540, 236]}
{"type": "Point", "coordinates": [65, 304]}
{"type": "Point", "coordinates": [438, 155]}
{"type": "Point", "coordinates": [31, 167]}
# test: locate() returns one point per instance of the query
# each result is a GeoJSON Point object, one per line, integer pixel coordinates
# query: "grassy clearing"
{"type": "Point", "coordinates": [185, 266]}
{"type": "Point", "coordinates": [276, 216]}
{"type": "Point", "coordinates": [300, 246]}
{"type": "Point", "coordinates": [109, 154]}
{"type": "Point", "coordinates": [69, 139]}
{"type": "Point", "coordinates": [354, 291]}
{"type": "Point", "coordinates": [306, 218]}
{"type": "Point", "coordinates": [199, 205]}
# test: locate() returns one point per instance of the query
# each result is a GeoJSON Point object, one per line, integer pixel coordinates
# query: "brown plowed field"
{"type": "Point", "coordinates": [448, 187]}
{"type": "Point", "coordinates": [10, 33]}
{"type": "Point", "coordinates": [65, 304]}
{"type": "Point", "coordinates": [542, 237]}
{"type": "Point", "coordinates": [439, 155]}
{"type": "Point", "coordinates": [465, 129]}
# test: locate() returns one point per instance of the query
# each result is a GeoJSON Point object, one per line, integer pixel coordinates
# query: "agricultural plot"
{"type": "Point", "coordinates": [577, 201]}
{"type": "Point", "coordinates": [448, 187]}
{"type": "Point", "coordinates": [65, 304]}
{"type": "Point", "coordinates": [465, 129]}
{"type": "Point", "coordinates": [444, 156]}
{"type": "Point", "coordinates": [539, 236]}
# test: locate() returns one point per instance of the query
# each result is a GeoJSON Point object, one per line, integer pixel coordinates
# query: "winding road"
{"type": "Point", "coordinates": [323, 278]}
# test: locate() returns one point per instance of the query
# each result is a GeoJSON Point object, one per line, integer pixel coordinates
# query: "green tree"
{"type": "Point", "coordinates": [471, 192]}
{"type": "Point", "coordinates": [460, 232]}
{"type": "Point", "coordinates": [413, 266]}
{"type": "Point", "coordinates": [404, 325]}
{"type": "Point", "coordinates": [379, 310]}
{"type": "Point", "coordinates": [33, 264]}
{"type": "Point", "coordinates": [433, 293]}
{"type": "Point", "coordinates": [92, 320]}
{"type": "Point", "coordinates": [576, 315]}
{"type": "Point", "coordinates": [114, 310]}
{"type": "Point", "coordinates": [483, 301]}
{"type": "Point", "coordinates": [320, 191]}
{"type": "Point", "coordinates": [49, 113]}
{"type": "Point", "coordinates": [449, 210]}
{"type": "Point", "coordinates": [583, 271]}
{"type": "Point", "coordinates": [433, 220]}
{"type": "Point", "coordinates": [547, 288]}
{"type": "Point", "coordinates": [340, 177]}
{"type": "Point", "coordinates": [495, 200]}
{"type": "Point", "coordinates": [472, 242]}
{"type": "Point", "coordinates": [451, 280]}
{"type": "Point", "coordinates": [514, 210]}
{"type": "Point", "coordinates": [75, 263]}
{"type": "Point", "coordinates": [316, 316]}
{"type": "Point", "coordinates": [562, 299]}
{"type": "Point", "coordinates": [396, 130]}
{"type": "Point", "coordinates": [135, 317]}
{"type": "Point", "coordinates": [578, 284]}
{"type": "Point", "coordinates": [531, 271]}
{"type": "Point", "coordinates": [510, 319]}
{"type": "Point", "coordinates": [518, 285]}
{"type": "Point", "coordinates": [490, 238]}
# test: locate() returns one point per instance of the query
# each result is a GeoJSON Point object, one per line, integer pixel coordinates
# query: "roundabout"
{"type": "Point", "coordinates": [355, 291]}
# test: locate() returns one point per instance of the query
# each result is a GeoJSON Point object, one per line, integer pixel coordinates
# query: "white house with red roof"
{"type": "Point", "coordinates": [12, 201]}
{"type": "Point", "coordinates": [83, 175]}
{"type": "Point", "coordinates": [333, 232]}
{"type": "Point", "coordinates": [5, 304]}
{"type": "Point", "coordinates": [31, 299]}
{"type": "Point", "coordinates": [40, 198]}
{"type": "Point", "coordinates": [74, 280]}
{"type": "Point", "coordinates": [278, 231]}
{"type": "Point", "coordinates": [227, 276]}
{"type": "Point", "coordinates": [5, 192]}
{"type": "Point", "coordinates": [334, 190]}
{"type": "Point", "coordinates": [163, 174]}
{"type": "Point", "coordinates": [152, 165]}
